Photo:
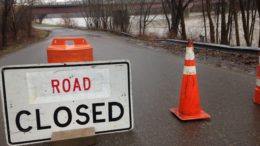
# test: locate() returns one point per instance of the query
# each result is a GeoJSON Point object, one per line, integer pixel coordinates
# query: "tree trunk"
{"type": "Point", "coordinates": [217, 26]}
{"type": "Point", "coordinates": [165, 11]}
{"type": "Point", "coordinates": [141, 17]}
{"type": "Point", "coordinates": [204, 20]}
{"type": "Point", "coordinates": [14, 30]}
{"type": "Point", "coordinates": [211, 25]}
{"type": "Point", "coordinates": [175, 19]}
{"type": "Point", "coordinates": [4, 24]}
{"type": "Point", "coordinates": [258, 6]}
{"type": "Point", "coordinates": [183, 27]}
{"type": "Point", "coordinates": [237, 29]}
{"type": "Point", "coordinates": [29, 25]}
{"type": "Point", "coordinates": [224, 33]}
{"type": "Point", "coordinates": [244, 22]}
{"type": "Point", "coordinates": [252, 26]}
{"type": "Point", "coordinates": [229, 28]}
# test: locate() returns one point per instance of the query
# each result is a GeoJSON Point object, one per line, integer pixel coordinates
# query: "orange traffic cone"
{"type": "Point", "coordinates": [257, 89]}
{"type": "Point", "coordinates": [189, 104]}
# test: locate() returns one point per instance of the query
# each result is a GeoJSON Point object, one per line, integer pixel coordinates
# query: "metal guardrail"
{"type": "Point", "coordinates": [127, 34]}
{"type": "Point", "coordinates": [66, 3]}
{"type": "Point", "coordinates": [215, 46]}
{"type": "Point", "coordinates": [202, 45]}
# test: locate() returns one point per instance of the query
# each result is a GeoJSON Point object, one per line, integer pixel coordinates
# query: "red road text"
{"type": "Point", "coordinates": [70, 85]}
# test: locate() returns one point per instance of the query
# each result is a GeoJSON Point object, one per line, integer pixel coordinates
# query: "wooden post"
{"type": "Point", "coordinates": [78, 137]}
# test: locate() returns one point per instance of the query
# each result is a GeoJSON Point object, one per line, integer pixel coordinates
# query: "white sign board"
{"type": "Point", "coordinates": [41, 99]}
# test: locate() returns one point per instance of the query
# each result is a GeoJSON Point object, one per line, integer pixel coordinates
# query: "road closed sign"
{"type": "Point", "coordinates": [41, 99]}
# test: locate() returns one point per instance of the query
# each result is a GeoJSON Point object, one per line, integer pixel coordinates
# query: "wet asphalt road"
{"type": "Point", "coordinates": [156, 76]}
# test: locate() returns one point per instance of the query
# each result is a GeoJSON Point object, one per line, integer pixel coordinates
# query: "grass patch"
{"type": "Point", "coordinates": [36, 36]}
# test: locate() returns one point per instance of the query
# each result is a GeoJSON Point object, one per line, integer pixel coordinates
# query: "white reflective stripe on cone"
{"type": "Point", "coordinates": [258, 82]}
{"type": "Point", "coordinates": [189, 70]}
{"type": "Point", "coordinates": [189, 54]}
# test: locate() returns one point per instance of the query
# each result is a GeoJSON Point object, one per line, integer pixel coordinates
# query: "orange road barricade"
{"type": "Point", "coordinates": [59, 52]}
{"type": "Point", "coordinates": [256, 98]}
{"type": "Point", "coordinates": [189, 103]}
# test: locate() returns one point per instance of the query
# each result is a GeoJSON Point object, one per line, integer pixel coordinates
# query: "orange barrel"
{"type": "Point", "coordinates": [59, 52]}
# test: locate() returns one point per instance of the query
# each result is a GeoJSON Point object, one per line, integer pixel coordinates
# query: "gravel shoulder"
{"type": "Point", "coordinates": [234, 61]}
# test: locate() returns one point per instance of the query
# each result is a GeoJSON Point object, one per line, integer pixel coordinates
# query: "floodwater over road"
{"type": "Point", "coordinates": [156, 77]}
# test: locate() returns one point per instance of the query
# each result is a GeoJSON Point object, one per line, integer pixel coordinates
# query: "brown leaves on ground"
{"type": "Point", "coordinates": [236, 61]}
{"type": "Point", "coordinates": [37, 35]}
{"type": "Point", "coordinates": [240, 62]}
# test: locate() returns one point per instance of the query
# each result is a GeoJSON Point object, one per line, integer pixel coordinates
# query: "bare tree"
{"type": "Point", "coordinates": [211, 24]}
{"type": "Point", "coordinates": [91, 13]}
{"type": "Point", "coordinates": [16, 20]}
{"type": "Point", "coordinates": [105, 15]}
{"type": "Point", "coordinates": [67, 21]}
{"type": "Point", "coordinates": [227, 22]}
{"type": "Point", "coordinates": [101, 14]}
{"type": "Point", "coordinates": [176, 9]}
{"type": "Point", "coordinates": [224, 32]}
{"type": "Point", "coordinates": [1, 14]}
{"type": "Point", "coordinates": [96, 13]}
{"type": "Point", "coordinates": [181, 9]}
{"type": "Point", "coordinates": [248, 12]}
{"type": "Point", "coordinates": [30, 17]}
{"type": "Point", "coordinates": [258, 7]}
{"type": "Point", "coordinates": [217, 10]}
{"type": "Point", "coordinates": [225, 15]}
{"type": "Point", "coordinates": [166, 11]}
{"type": "Point", "coordinates": [6, 11]}
{"type": "Point", "coordinates": [204, 19]}
{"type": "Point", "coordinates": [120, 19]}
{"type": "Point", "coordinates": [173, 21]}
{"type": "Point", "coordinates": [234, 10]}
{"type": "Point", "coordinates": [145, 15]}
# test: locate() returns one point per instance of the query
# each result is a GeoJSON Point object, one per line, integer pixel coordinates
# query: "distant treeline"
{"type": "Point", "coordinates": [221, 17]}
{"type": "Point", "coordinates": [224, 18]}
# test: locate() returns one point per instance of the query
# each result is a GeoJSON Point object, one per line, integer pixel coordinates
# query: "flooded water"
{"type": "Point", "coordinates": [158, 27]}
